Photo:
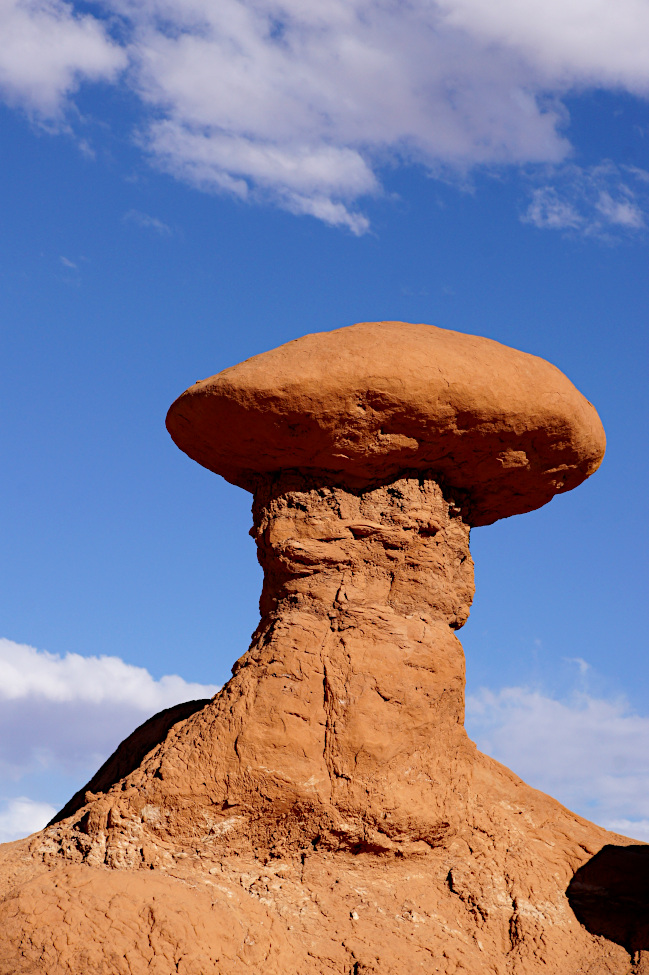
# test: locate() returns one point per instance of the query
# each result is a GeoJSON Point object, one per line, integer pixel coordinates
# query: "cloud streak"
{"type": "Point", "coordinates": [147, 222]}
{"type": "Point", "coordinates": [301, 104]}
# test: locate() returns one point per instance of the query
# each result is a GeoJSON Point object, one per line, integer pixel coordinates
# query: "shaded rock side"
{"type": "Point", "coordinates": [326, 811]}
{"type": "Point", "coordinates": [610, 895]}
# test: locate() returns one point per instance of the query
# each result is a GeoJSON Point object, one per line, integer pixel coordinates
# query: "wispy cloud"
{"type": "Point", "coordinates": [591, 753]}
{"type": "Point", "coordinates": [148, 222]}
{"type": "Point", "coordinates": [548, 211]}
{"type": "Point", "coordinates": [301, 103]}
{"type": "Point", "coordinates": [625, 212]}
{"type": "Point", "coordinates": [66, 262]}
{"type": "Point", "coordinates": [607, 200]}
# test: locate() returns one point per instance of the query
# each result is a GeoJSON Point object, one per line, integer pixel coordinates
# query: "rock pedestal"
{"type": "Point", "coordinates": [326, 812]}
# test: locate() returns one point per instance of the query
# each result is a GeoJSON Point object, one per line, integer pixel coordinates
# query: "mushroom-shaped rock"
{"type": "Point", "coordinates": [362, 405]}
{"type": "Point", "coordinates": [326, 810]}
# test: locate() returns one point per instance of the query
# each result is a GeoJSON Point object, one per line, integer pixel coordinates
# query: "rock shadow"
{"type": "Point", "coordinates": [128, 756]}
{"type": "Point", "coordinates": [610, 895]}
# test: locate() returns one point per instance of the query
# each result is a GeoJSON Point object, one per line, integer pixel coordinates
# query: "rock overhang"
{"type": "Point", "coordinates": [365, 404]}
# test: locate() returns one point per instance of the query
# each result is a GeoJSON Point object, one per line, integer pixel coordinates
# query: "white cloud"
{"type": "Point", "coordinates": [624, 212]}
{"type": "Point", "coordinates": [21, 817]}
{"type": "Point", "coordinates": [589, 752]}
{"type": "Point", "coordinates": [603, 201]}
{"type": "Point", "coordinates": [300, 103]}
{"type": "Point", "coordinates": [29, 673]}
{"type": "Point", "coordinates": [47, 50]}
{"type": "Point", "coordinates": [327, 210]}
{"type": "Point", "coordinates": [302, 179]}
{"type": "Point", "coordinates": [574, 41]}
{"type": "Point", "coordinates": [69, 713]}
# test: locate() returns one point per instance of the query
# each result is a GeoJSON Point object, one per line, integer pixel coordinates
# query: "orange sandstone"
{"type": "Point", "coordinates": [326, 811]}
{"type": "Point", "coordinates": [360, 405]}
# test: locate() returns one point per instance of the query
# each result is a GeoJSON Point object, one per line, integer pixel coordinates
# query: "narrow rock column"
{"type": "Point", "coordinates": [355, 679]}
{"type": "Point", "coordinates": [342, 725]}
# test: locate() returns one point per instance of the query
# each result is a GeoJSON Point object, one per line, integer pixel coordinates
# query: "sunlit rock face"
{"type": "Point", "coordinates": [325, 812]}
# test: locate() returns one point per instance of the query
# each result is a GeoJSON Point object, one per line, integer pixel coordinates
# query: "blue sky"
{"type": "Point", "coordinates": [187, 185]}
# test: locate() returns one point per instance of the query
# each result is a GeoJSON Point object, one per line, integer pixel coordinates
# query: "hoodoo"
{"type": "Point", "coordinates": [326, 811]}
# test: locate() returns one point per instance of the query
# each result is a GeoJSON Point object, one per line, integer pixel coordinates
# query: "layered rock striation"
{"type": "Point", "coordinates": [326, 811]}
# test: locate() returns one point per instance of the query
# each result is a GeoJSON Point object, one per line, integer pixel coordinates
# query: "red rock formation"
{"type": "Point", "coordinates": [326, 811]}
{"type": "Point", "coordinates": [359, 406]}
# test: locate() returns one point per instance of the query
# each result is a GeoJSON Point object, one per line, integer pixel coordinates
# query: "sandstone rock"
{"type": "Point", "coordinates": [359, 406]}
{"type": "Point", "coordinates": [326, 811]}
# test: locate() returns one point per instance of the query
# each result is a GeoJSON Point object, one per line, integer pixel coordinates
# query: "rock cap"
{"type": "Point", "coordinates": [363, 405]}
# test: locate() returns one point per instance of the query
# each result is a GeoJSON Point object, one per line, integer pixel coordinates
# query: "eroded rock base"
{"type": "Point", "coordinates": [325, 812]}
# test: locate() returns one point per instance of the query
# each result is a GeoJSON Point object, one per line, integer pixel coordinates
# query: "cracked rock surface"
{"type": "Point", "coordinates": [325, 813]}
